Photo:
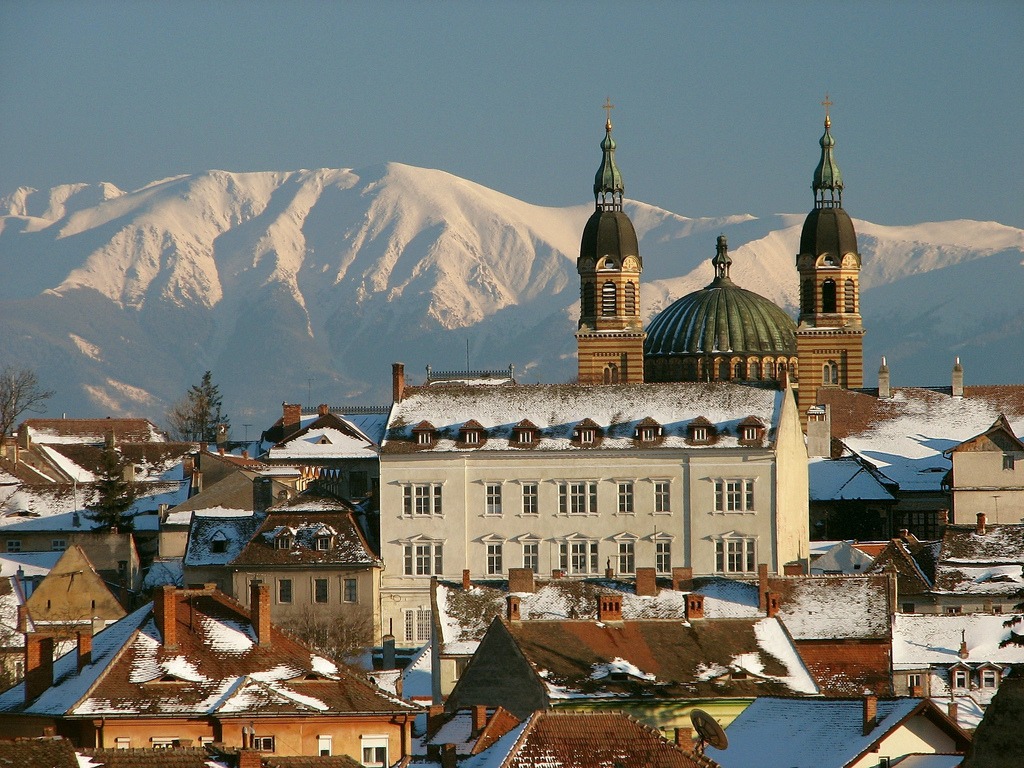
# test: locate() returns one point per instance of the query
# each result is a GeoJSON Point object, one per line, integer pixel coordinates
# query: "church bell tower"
{"type": "Point", "coordinates": [610, 337]}
{"type": "Point", "coordinates": [830, 333]}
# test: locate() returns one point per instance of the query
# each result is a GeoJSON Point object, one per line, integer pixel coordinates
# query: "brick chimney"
{"type": "Point", "coordinates": [466, 582]}
{"type": "Point", "coordinates": [521, 580]}
{"type": "Point", "coordinates": [982, 521]}
{"type": "Point", "coordinates": [435, 719]}
{"type": "Point", "coordinates": [682, 579]}
{"type": "Point", "coordinates": [609, 607]}
{"type": "Point", "coordinates": [762, 585]}
{"type": "Point", "coordinates": [793, 569]}
{"type": "Point", "coordinates": [958, 379]}
{"type": "Point", "coordinates": [259, 611]}
{"type": "Point", "coordinates": [448, 757]}
{"type": "Point", "coordinates": [249, 758]}
{"type": "Point", "coordinates": [884, 390]}
{"type": "Point", "coordinates": [165, 613]}
{"type": "Point", "coordinates": [694, 606]}
{"type": "Point", "coordinates": [38, 665]}
{"type": "Point", "coordinates": [684, 737]}
{"type": "Point", "coordinates": [292, 418]}
{"type": "Point", "coordinates": [397, 382]}
{"type": "Point", "coordinates": [323, 409]}
{"type": "Point", "coordinates": [479, 718]}
{"type": "Point", "coordinates": [963, 653]}
{"type": "Point", "coordinates": [512, 607]}
{"type": "Point", "coordinates": [84, 648]}
{"type": "Point", "coordinates": [772, 604]}
{"type": "Point", "coordinates": [870, 713]}
{"type": "Point", "coordinates": [646, 582]}
{"type": "Point", "coordinates": [557, 573]}
{"type": "Point", "coordinates": [954, 712]}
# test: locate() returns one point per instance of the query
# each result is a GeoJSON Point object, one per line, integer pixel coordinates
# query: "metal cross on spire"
{"type": "Point", "coordinates": [826, 104]}
{"type": "Point", "coordinates": [608, 107]}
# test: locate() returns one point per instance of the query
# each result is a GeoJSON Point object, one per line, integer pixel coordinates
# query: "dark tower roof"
{"type": "Point", "coordinates": [721, 318]}
{"type": "Point", "coordinates": [828, 228]}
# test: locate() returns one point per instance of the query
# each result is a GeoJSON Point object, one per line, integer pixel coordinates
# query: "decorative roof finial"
{"type": "Point", "coordinates": [828, 181]}
{"type": "Point", "coordinates": [721, 262]}
{"type": "Point", "coordinates": [608, 186]}
{"type": "Point", "coordinates": [826, 104]}
{"type": "Point", "coordinates": [608, 107]}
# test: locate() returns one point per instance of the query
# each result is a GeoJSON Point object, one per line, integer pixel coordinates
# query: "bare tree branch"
{"type": "Point", "coordinates": [19, 392]}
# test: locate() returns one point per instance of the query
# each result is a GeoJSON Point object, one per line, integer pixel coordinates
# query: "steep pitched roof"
{"type": "Point", "coordinates": [38, 753]}
{"type": "Point", "coordinates": [329, 436]}
{"type": "Point", "coordinates": [845, 479]}
{"type": "Point", "coordinates": [998, 437]}
{"type": "Point", "coordinates": [990, 563]}
{"type": "Point", "coordinates": [999, 740]}
{"type": "Point", "coordinates": [834, 607]}
{"type": "Point", "coordinates": [72, 592]}
{"type": "Point", "coordinates": [921, 640]}
{"type": "Point", "coordinates": [558, 409]}
{"type": "Point", "coordinates": [818, 733]}
{"type": "Point", "coordinates": [92, 430]}
{"type": "Point", "coordinates": [233, 527]}
{"type": "Point", "coordinates": [217, 669]}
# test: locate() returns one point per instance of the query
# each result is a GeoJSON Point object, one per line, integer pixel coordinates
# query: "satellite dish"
{"type": "Point", "coordinates": [709, 731]}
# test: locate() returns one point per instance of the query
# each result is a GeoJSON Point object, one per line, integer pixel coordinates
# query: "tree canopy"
{"type": "Point", "coordinates": [114, 493]}
{"type": "Point", "coordinates": [198, 416]}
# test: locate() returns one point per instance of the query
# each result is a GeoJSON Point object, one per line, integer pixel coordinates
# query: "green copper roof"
{"type": "Point", "coordinates": [608, 180]}
{"type": "Point", "coordinates": [827, 175]}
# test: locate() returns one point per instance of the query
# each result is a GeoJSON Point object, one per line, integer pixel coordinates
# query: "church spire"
{"type": "Point", "coordinates": [722, 261]}
{"type": "Point", "coordinates": [828, 181]}
{"type": "Point", "coordinates": [608, 186]}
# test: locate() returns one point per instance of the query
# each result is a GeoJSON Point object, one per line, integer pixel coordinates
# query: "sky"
{"type": "Point", "coordinates": [717, 104]}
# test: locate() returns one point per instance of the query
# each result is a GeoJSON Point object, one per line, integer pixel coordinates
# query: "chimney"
{"type": "Point", "coordinates": [762, 585]}
{"type": "Point", "coordinates": [694, 606]}
{"type": "Point", "coordinates": [466, 582]}
{"type": "Point", "coordinates": [435, 719]}
{"type": "Point", "coordinates": [958, 379]}
{"type": "Point", "coordinates": [245, 453]}
{"type": "Point", "coordinates": [916, 691]}
{"type": "Point", "coordinates": [23, 618]}
{"type": "Point", "coordinates": [448, 757]}
{"type": "Point", "coordinates": [165, 612]}
{"type": "Point", "coordinates": [259, 610]}
{"type": "Point", "coordinates": [388, 660]}
{"type": "Point", "coordinates": [684, 737]}
{"type": "Point", "coordinates": [512, 607]}
{"type": "Point", "coordinates": [557, 573]}
{"type": "Point", "coordinates": [609, 607]}
{"type": "Point", "coordinates": [262, 494]}
{"type": "Point", "coordinates": [682, 579]}
{"type": "Point", "coordinates": [954, 712]}
{"type": "Point", "coordinates": [292, 418]}
{"type": "Point", "coordinates": [982, 519]}
{"type": "Point", "coordinates": [397, 382]}
{"type": "Point", "coordinates": [819, 430]}
{"type": "Point", "coordinates": [783, 378]}
{"type": "Point", "coordinates": [521, 580]}
{"type": "Point", "coordinates": [84, 648]}
{"type": "Point", "coordinates": [772, 604]}
{"type": "Point", "coordinates": [38, 665]}
{"type": "Point", "coordinates": [870, 712]}
{"type": "Point", "coordinates": [884, 391]}
{"type": "Point", "coordinates": [609, 572]}
{"type": "Point", "coordinates": [249, 758]}
{"type": "Point", "coordinates": [479, 718]}
{"type": "Point", "coordinates": [793, 569]}
{"type": "Point", "coordinates": [646, 582]}
{"type": "Point", "coordinates": [963, 653]}
{"type": "Point", "coordinates": [323, 409]}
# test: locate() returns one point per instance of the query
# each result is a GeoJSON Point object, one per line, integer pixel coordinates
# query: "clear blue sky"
{"type": "Point", "coordinates": [717, 103]}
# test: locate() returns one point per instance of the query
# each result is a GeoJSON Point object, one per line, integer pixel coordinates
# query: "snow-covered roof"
{"type": "Point", "coordinates": [842, 558]}
{"type": "Point", "coordinates": [29, 563]}
{"type": "Point", "coordinates": [834, 607]}
{"type": "Point", "coordinates": [990, 563]}
{"type": "Point", "coordinates": [50, 507]}
{"type": "Point", "coordinates": [323, 443]}
{"type": "Point", "coordinates": [921, 640]}
{"type": "Point", "coordinates": [557, 409]}
{"type": "Point", "coordinates": [843, 479]}
{"type": "Point", "coordinates": [233, 527]}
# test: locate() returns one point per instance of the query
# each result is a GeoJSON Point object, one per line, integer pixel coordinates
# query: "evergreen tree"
{"type": "Point", "coordinates": [198, 415]}
{"type": "Point", "coordinates": [115, 494]}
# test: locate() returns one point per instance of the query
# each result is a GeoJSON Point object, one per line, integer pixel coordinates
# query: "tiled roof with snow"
{"type": "Point", "coordinates": [920, 640]}
{"type": "Point", "coordinates": [834, 607]}
{"type": "Point", "coordinates": [345, 545]}
{"type": "Point", "coordinates": [843, 479]}
{"type": "Point", "coordinates": [92, 430]}
{"type": "Point", "coordinates": [842, 558]}
{"type": "Point", "coordinates": [325, 443]}
{"type": "Point", "coordinates": [217, 668]}
{"type": "Point", "coordinates": [233, 527]}
{"type": "Point", "coordinates": [905, 436]}
{"type": "Point", "coordinates": [557, 409]}
{"type": "Point", "coordinates": [50, 507]}
{"type": "Point", "coordinates": [981, 563]}
{"type": "Point", "coordinates": [806, 733]}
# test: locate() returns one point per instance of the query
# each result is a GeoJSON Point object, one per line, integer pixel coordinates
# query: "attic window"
{"type": "Point", "coordinates": [648, 431]}
{"type": "Point", "coordinates": [1008, 461]}
{"type": "Point", "coordinates": [699, 431]}
{"type": "Point", "coordinates": [471, 433]}
{"type": "Point", "coordinates": [283, 542]}
{"type": "Point", "coordinates": [585, 433]}
{"type": "Point", "coordinates": [738, 674]}
{"type": "Point", "coordinates": [471, 437]}
{"type": "Point", "coordinates": [586, 436]}
{"type": "Point", "coordinates": [751, 430]}
{"type": "Point", "coordinates": [323, 441]}
{"type": "Point", "coordinates": [219, 543]}
{"type": "Point", "coordinates": [524, 433]}
{"type": "Point", "coordinates": [424, 433]}
{"type": "Point", "coordinates": [323, 543]}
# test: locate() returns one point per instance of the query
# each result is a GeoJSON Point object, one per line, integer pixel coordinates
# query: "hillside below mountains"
{"type": "Point", "coordinates": [305, 286]}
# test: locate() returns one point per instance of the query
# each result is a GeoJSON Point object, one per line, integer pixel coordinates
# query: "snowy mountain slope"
{"type": "Point", "coordinates": [306, 285]}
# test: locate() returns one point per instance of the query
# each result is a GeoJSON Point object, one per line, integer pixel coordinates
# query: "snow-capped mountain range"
{"type": "Point", "coordinates": [305, 286]}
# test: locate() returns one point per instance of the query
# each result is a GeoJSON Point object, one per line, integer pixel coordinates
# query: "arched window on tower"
{"type": "Point", "coordinates": [830, 373]}
{"type": "Point", "coordinates": [611, 374]}
{"type": "Point", "coordinates": [769, 369]}
{"type": "Point", "coordinates": [630, 299]}
{"type": "Point", "coordinates": [689, 370]}
{"type": "Point", "coordinates": [807, 296]}
{"type": "Point", "coordinates": [588, 299]}
{"type": "Point", "coordinates": [828, 296]}
{"type": "Point", "coordinates": [755, 371]}
{"type": "Point", "coordinates": [849, 297]}
{"type": "Point", "coordinates": [737, 372]}
{"type": "Point", "coordinates": [723, 370]}
{"type": "Point", "coordinates": [608, 298]}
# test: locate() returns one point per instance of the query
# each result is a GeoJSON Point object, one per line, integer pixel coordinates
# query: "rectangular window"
{"type": "Point", "coordinates": [375, 752]}
{"type": "Point", "coordinates": [351, 591]}
{"type": "Point", "coordinates": [734, 495]}
{"type": "Point", "coordinates": [417, 625]}
{"type": "Point", "coordinates": [422, 499]}
{"type": "Point", "coordinates": [735, 556]}
{"type": "Point", "coordinates": [58, 545]}
{"type": "Point", "coordinates": [577, 498]}
{"type": "Point", "coordinates": [627, 558]}
{"type": "Point", "coordinates": [323, 745]}
{"type": "Point", "coordinates": [913, 681]}
{"type": "Point", "coordinates": [284, 590]}
{"type": "Point", "coordinates": [578, 557]}
{"type": "Point", "coordinates": [988, 678]}
{"type": "Point", "coordinates": [959, 678]}
{"type": "Point", "coordinates": [319, 590]}
{"type": "Point", "coordinates": [531, 556]}
{"type": "Point", "coordinates": [530, 499]}
{"type": "Point", "coordinates": [123, 742]}
{"type": "Point", "coordinates": [493, 499]}
{"type": "Point", "coordinates": [14, 545]}
{"type": "Point", "coordinates": [626, 497]}
{"type": "Point", "coordinates": [1008, 462]}
{"type": "Point", "coordinates": [423, 559]}
{"type": "Point", "coordinates": [663, 556]}
{"type": "Point", "coordinates": [494, 559]}
{"type": "Point", "coordinates": [662, 497]}
{"type": "Point", "coordinates": [263, 743]}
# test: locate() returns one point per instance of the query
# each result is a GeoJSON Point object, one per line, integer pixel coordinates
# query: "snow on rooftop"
{"type": "Point", "coordinates": [324, 443]}
{"type": "Point", "coordinates": [30, 563]}
{"type": "Point", "coordinates": [925, 639]}
{"type": "Point", "coordinates": [772, 638]}
{"type": "Point", "coordinates": [843, 479]}
{"type": "Point", "coordinates": [835, 607]}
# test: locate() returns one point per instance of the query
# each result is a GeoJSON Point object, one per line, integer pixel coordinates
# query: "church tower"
{"type": "Point", "coordinates": [830, 334]}
{"type": "Point", "coordinates": [610, 338]}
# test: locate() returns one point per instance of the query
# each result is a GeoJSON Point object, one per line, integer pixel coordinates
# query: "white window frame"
{"type": "Point", "coordinates": [423, 557]}
{"type": "Point", "coordinates": [577, 497]}
{"type": "Point", "coordinates": [492, 494]}
{"type": "Point", "coordinates": [913, 680]}
{"type": "Point", "coordinates": [347, 582]}
{"type": "Point", "coordinates": [625, 556]}
{"type": "Point", "coordinates": [960, 679]}
{"type": "Point", "coordinates": [735, 495]}
{"type": "Point", "coordinates": [317, 581]}
{"type": "Point", "coordinates": [471, 437]}
{"type": "Point", "coordinates": [531, 554]}
{"type": "Point", "coordinates": [375, 743]}
{"type": "Point", "coordinates": [123, 742]}
{"type": "Point", "coordinates": [626, 497]}
{"type": "Point", "coordinates": [260, 743]}
{"type": "Point", "coordinates": [531, 499]}
{"type": "Point", "coordinates": [663, 554]}
{"type": "Point", "coordinates": [578, 557]}
{"type": "Point", "coordinates": [495, 558]}
{"type": "Point", "coordinates": [736, 554]}
{"type": "Point", "coordinates": [989, 678]}
{"type": "Point", "coordinates": [324, 744]}
{"type": "Point", "coordinates": [422, 500]}
{"type": "Point", "coordinates": [58, 545]}
{"type": "Point", "coordinates": [417, 622]}
{"type": "Point", "coordinates": [424, 437]}
{"type": "Point", "coordinates": [662, 497]}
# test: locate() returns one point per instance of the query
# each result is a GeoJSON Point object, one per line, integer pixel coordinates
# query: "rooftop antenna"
{"type": "Point", "coordinates": [708, 730]}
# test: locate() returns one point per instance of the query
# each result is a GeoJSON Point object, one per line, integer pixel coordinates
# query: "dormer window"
{"type": "Point", "coordinates": [283, 541]}
{"type": "Point", "coordinates": [471, 433]}
{"type": "Point", "coordinates": [219, 543]}
{"type": "Point", "coordinates": [524, 434]}
{"type": "Point", "coordinates": [424, 433]}
{"type": "Point", "coordinates": [323, 543]}
{"type": "Point", "coordinates": [586, 433]}
{"type": "Point", "coordinates": [700, 431]}
{"type": "Point", "coordinates": [751, 431]}
{"type": "Point", "coordinates": [648, 431]}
